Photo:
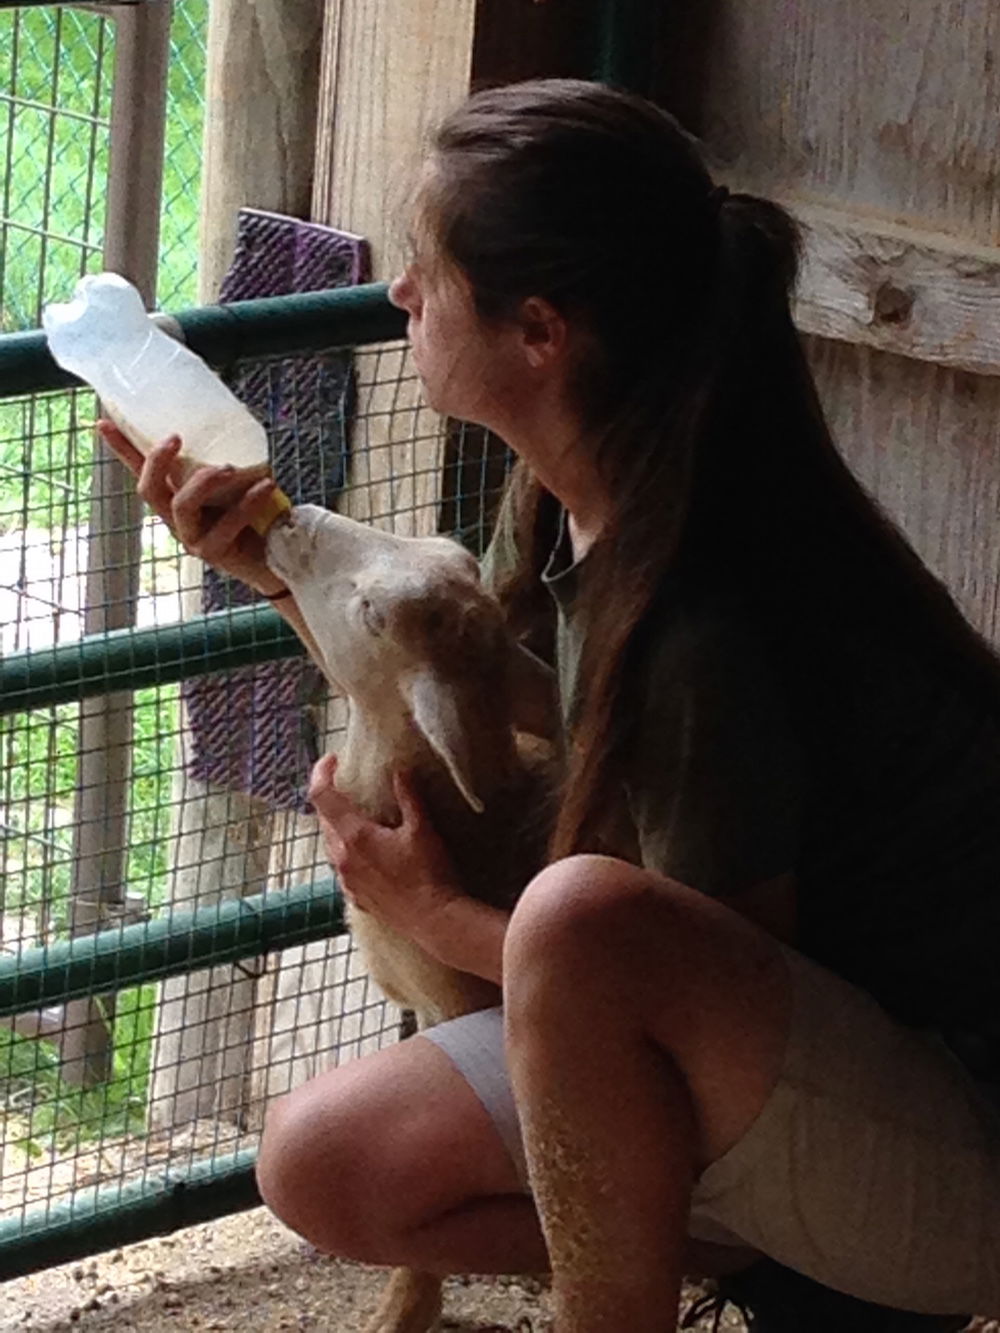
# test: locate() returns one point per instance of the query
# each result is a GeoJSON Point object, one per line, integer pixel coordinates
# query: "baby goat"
{"type": "Point", "coordinates": [435, 686]}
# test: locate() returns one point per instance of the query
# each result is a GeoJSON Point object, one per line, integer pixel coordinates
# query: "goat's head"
{"type": "Point", "coordinates": [404, 628]}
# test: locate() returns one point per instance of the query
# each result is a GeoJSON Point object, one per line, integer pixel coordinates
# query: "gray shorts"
{"type": "Point", "coordinates": [873, 1167]}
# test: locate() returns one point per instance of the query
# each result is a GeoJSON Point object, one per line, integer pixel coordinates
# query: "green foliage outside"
{"type": "Point", "coordinates": [44, 1113]}
{"type": "Point", "coordinates": [53, 191]}
{"type": "Point", "coordinates": [51, 225]}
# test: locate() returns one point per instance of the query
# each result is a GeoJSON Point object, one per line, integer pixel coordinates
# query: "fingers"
{"type": "Point", "coordinates": [410, 807]}
{"type": "Point", "coordinates": [322, 776]}
{"type": "Point", "coordinates": [213, 543]}
{"type": "Point", "coordinates": [156, 484]}
{"type": "Point", "coordinates": [332, 805]}
{"type": "Point", "coordinates": [152, 470]}
{"type": "Point", "coordinates": [121, 445]}
{"type": "Point", "coordinates": [180, 501]}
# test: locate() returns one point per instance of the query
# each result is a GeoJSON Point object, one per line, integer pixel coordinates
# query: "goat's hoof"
{"type": "Point", "coordinates": [411, 1303]}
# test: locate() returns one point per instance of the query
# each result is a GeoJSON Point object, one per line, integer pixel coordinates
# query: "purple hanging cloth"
{"type": "Point", "coordinates": [253, 730]}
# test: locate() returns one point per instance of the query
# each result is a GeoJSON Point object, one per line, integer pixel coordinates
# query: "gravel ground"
{"type": "Point", "coordinates": [250, 1273]}
{"type": "Point", "coordinates": [246, 1272]}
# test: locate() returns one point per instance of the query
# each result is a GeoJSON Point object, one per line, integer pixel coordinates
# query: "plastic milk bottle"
{"type": "Point", "coordinates": [151, 385]}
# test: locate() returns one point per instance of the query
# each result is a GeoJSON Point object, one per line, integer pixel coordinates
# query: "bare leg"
{"type": "Point", "coordinates": [646, 1028]}
{"type": "Point", "coordinates": [393, 1160]}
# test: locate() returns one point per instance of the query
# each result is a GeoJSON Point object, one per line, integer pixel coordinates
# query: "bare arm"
{"type": "Point", "coordinates": [467, 935]}
{"type": "Point", "coordinates": [536, 695]}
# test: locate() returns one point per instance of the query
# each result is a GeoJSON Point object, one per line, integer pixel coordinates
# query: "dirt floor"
{"type": "Point", "coordinates": [250, 1273]}
{"type": "Point", "coordinates": [246, 1272]}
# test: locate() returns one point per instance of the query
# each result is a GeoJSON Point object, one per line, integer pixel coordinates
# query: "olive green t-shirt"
{"type": "Point", "coordinates": [889, 816]}
{"type": "Point", "coordinates": [713, 778]}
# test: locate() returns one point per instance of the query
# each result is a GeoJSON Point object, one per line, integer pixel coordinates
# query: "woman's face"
{"type": "Point", "coordinates": [468, 367]}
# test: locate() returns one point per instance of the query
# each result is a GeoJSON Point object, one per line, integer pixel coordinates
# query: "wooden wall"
{"type": "Point", "coordinates": [877, 123]}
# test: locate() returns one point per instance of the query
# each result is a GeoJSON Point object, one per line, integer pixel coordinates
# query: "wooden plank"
{"type": "Point", "coordinates": [886, 285]}
{"type": "Point", "coordinates": [866, 104]}
{"type": "Point", "coordinates": [887, 114]}
{"type": "Point", "coordinates": [391, 69]}
{"type": "Point", "coordinates": [260, 114]}
{"type": "Point", "coordinates": [926, 441]}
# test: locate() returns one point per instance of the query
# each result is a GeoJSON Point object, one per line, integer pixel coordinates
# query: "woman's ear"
{"type": "Point", "coordinates": [543, 332]}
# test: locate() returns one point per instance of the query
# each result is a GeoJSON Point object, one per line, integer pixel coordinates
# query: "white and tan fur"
{"type": "Point", "coordinates": [436, 686]}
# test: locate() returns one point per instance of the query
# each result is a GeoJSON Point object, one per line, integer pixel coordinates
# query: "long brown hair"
{"type": "Point", "coordinates": [710, 436]}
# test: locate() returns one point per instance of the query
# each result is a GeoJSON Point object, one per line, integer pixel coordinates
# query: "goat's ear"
{"type": "Point", "coordinates": [434, 712]}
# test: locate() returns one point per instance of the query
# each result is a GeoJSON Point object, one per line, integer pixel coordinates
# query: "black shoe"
{"type": "Point", "coordinates": [775, 1299]}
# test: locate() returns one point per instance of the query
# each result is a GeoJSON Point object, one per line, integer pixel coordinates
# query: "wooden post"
{"type": "Point", "coordinates": [260, 119]}
{"type": "Point", "coordinates": [132, 230]}
{"type": "Point", "coordinates": [260, 127]}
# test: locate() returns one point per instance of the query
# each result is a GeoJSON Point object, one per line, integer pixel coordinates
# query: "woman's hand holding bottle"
{"type": "Point", "coordinates": [210, 510]}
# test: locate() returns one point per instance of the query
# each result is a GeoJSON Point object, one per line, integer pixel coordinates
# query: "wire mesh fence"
{"type": "Point", "coordinates": [181, 201]}
{"type": "Point", "coordinates": [56, 81]}
{"type": "Point", "coordinates": [56, 75]}
{"type": "Point", "coordinates": [147, 1073]}
{"type": "Point", "coordinates": [194, 1057]}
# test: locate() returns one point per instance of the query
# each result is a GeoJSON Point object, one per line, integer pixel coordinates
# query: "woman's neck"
{"type": "Point", "coordinates": [552, 446]}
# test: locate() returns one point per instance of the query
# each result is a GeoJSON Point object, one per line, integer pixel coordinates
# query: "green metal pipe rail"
{"type": "Point", "coordinates": [222, 334]}
{"type": "Point", "coordinates": [169, 946]}
{"type": "Point", "coordinates": [130, 659]}
{"type": "Point", "coordinates": [102, 1219]}
{"type": "Point", "coordinates": [134, 659]}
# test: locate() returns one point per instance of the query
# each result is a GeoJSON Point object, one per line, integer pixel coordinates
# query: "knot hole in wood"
{"type": "Point", "coordinates": [893, 305]}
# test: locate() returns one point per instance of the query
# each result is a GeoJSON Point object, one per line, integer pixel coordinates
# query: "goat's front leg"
{"type": "Point", "coordinates": [411, 1303]}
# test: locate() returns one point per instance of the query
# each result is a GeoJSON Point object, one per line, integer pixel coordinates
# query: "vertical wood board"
{"type": "Point", "coordinates": [260, 117]}
{"type": "Point", "coordinates": [887, 111]}
{"type": "Point", "coordinates": [891, 107]}
{"type": "Point", "coordinates": [391, 70]}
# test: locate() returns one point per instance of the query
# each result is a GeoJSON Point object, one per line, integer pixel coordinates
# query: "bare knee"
{"type": "Point", "coordinates": [592, 929]}
{"type": "Point", "coordinates": [313, 1169]}
{"type": "Point", "coordinates": [579, 904]}
{"type": "Point", "coordinates": [362, 1157]}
